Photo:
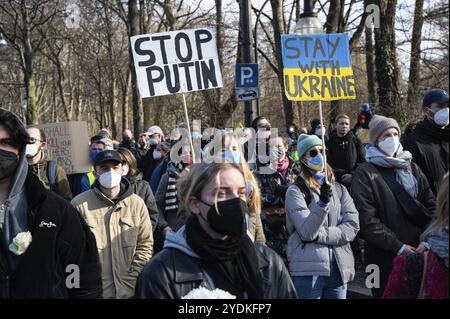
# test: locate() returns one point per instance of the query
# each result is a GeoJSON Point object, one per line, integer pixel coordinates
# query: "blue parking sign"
{"type": "Point", "coordinates": [247, 82]}
{"type": "Point", "coordinates": [247, 75]}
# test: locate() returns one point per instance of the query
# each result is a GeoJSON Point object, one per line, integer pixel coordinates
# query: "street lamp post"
{"type": "Point", "coordinates": [308, 23]}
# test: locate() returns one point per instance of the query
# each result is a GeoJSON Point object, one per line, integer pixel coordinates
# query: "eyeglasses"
{"type": "Point", "coordinates": [314, 153]}
{"type": "Point", "coordinates": [34, 140]}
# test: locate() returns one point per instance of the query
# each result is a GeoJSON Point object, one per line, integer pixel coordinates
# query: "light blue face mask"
{"type": "Point", "coordinates": [316, 163]}
{"type": "Point", "coordinates": [233, 156]}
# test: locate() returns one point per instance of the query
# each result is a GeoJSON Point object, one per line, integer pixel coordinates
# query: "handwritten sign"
{"type": "Point", "coordinates": [68, 144]}
{"type": "Point", "coordinates": [317, 67]}
{"type": "Point", "coordinates": [176, 62]}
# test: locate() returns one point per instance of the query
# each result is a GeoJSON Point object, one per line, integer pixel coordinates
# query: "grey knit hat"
{"type": "Point", "coordinates": [378, 124]}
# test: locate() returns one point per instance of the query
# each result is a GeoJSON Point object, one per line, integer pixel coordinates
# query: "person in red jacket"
{"type": "Point", "coordinates": [424, 275]}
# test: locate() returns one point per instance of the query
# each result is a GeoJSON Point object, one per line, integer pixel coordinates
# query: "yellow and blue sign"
{"type": "Point", "coordinates": [317, 67]}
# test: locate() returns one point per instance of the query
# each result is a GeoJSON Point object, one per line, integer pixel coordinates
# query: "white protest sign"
{"type": "Point", "coordinates": [176, 62]}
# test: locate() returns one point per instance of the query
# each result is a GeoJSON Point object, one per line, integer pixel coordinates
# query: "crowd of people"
{"type": "Point", "coordinates": [289, 218]}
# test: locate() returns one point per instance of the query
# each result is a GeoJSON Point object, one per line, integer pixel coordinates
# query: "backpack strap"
{"type": "Point", "coordinates": [51, 174]}
{"type": "Point", "coordinates": [339, 190]}
{"type": "Point", "coordinates": [305, 190]}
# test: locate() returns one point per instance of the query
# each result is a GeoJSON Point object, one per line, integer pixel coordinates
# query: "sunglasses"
{"type": "Point", "coordinates": [314, 153]}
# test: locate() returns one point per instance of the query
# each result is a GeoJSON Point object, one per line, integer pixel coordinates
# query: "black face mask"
{"type": "Point", "coordinates": [229, 220]}
{"type": "Point", "coordinates": [8, 163]}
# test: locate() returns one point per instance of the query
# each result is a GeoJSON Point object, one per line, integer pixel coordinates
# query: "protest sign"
{"type": "Point", "coordinates": [68, 143]}
{"type": "Point", "coordinates": [317, 67]}
{"type": "Point", "coordinates": [176, 62]}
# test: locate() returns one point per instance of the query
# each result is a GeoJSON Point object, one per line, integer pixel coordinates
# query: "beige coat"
{"type": "Point", "coordinates": [123, 232]}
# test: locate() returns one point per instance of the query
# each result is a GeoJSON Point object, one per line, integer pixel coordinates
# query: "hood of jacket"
{"type": "Point", "coordinates": [134, 179]}
{"type": "Point", "coordinates": [14, 212]}
{"type": "Point", "coordinates": [178, 241]}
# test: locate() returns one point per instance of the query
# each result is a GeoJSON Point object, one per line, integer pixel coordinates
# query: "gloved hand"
{"type": "Point", "coordinates": [325, 193]}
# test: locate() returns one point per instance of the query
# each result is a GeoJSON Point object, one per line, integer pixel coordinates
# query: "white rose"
{"type": "Point", "coordinates": [20, 243]}
{"type": "Point", "coordinates": [204, 293]}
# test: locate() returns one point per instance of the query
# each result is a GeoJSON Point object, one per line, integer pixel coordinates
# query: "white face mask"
{"type": "Point", "coordinates": [110, 179]}
{"type": "Point", "coordinates": [441, 117]}
{"type": "Point", "coordinates": [389, 145]}
{"type": "Point", "coordinates": [31, 150]}
{"type": "Point", "coordinates": [157, 155]}
{"type": "Point", "coordinates": [318, 132]}
{"type": "Point", "coordinates": [153, 141]}
{"type": "Point", "coordinates": [126, 169]}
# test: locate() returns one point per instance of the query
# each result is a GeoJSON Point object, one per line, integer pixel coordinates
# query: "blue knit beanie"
{"type": "Point", "coordinates": [305, 142]}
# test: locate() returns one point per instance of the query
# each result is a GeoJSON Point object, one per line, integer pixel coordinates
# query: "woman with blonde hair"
{"type": "Point", "coordinates": [231, 150]}
{"type": "Point", "coordinates": [213, 249]}
{"type": "Point", "coordinates": [321, 220]}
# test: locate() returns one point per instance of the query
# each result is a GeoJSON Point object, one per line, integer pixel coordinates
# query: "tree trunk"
{"type": "Point", "coordinates": [386, 62]}
{"type": "Point", "coordinates": [334, 20]}
{"type": "Point", "coordinates": [112, 88]}
{"type": "Point", "coordinates": [219, 39]}
{"type": "Point", "coordinates": [133, 20]}
{"type": "Point", "coordinates": [290, 113]}
{"type": "Point", "coordinates": [29, 82]}
{"type": "Point", "coordinates": [370, 66]}
{"type": "Point", "coordinates": [414, 67]}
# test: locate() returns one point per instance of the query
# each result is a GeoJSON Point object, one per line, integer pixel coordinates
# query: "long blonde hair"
{"type": "Point", "coordinates": [254, 200]}
{"type": "Point", "coordinates": [441, 221]}
{"type": "Point", "coordinates": [309, 178]}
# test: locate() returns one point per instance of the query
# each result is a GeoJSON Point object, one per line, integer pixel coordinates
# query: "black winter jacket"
{"type": "Point", "coordinates": [383, 224]}
{"type": "Point", "coordinates": [143, 190]}
{"type": "Point", "coordinates": [56, 253]}
{"type": "Point", "coordinates": [179, 273]}
{"type": "Point", "coordinates": [344, 153]}
{"type": "Point", "coordinates": [428, 145]}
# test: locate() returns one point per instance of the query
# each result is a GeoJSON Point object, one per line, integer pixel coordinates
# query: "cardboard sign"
{"type": "Point", "coordinates": [176, 62]}
{"type": "Point", "coordinates": [317, 67]}
{"type": "Point", "coordinates": [68, 143]}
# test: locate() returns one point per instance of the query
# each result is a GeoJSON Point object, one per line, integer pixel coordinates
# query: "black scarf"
{"type": "Point", "coordinates": [232, 263]}
{"type": "Point", "coordinates": [429, 128]}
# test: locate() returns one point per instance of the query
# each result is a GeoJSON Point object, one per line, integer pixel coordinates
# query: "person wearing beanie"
{"type": "Point", "coordinates": [428, 142]}
{"type": "Point", "coordinates": [321, 221]}
{"type": "Point", "coordinates": [386, 225]}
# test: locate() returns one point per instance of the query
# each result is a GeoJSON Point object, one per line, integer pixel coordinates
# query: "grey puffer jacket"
{"type": "Point", "coordinates": [314, 231]}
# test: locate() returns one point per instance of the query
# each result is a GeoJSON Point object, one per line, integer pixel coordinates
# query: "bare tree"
{"type": "Point", "coordinates": [20, 24]}
{"type": "Point", "coordinates": [414, 67]}
{"type": "Point", "coordinates": [387, 71]}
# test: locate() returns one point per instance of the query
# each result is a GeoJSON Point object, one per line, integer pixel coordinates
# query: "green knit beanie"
{"type": "Point", "coordinates": [305, 142]}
